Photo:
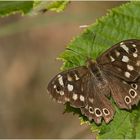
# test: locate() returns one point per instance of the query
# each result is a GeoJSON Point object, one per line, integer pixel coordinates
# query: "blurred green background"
{"type": "Point", "coordinates": [29, 46]}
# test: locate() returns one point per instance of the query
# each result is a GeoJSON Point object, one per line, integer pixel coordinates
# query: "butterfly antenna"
{"type": "Point", "coordinates": [69, 49]}
{"type": "Point", "coordinates": [92, 43]}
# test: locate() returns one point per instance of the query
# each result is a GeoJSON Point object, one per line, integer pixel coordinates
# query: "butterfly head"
{"type": "Point", "coordinates": [90, 63]}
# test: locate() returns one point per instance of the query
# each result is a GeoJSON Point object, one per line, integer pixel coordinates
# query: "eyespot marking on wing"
{"type": "Point", "coordinates": [132, 93]}
{"type": "Point", "coordinates": [127, 100]}
{"type": "Point", "coordinates": [98, 112]}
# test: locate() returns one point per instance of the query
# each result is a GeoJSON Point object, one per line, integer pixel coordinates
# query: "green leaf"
{"type": "Point", "coordinates": [31, 7]}
{"type": "Point", "coordinates": [57, 6]}
{"type": "Point", "coordinates": [43, 6]}
{"type": "Point", "coordinates": [10, 7]}
{"type": "Point", "coordinates": [119, 24]}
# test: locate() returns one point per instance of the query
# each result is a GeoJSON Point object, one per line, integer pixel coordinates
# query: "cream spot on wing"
{"type": "Point", "coordinates": [58, 101]}
{"type": "Point", "coordinates": [61, 92]}
{"type": "Point", "coordinates": [119, 69]}
{"type": "Point", "coordinates": [127, 74]}
{"type": "Point", "coordinates": [61, 81]}
{"type": "Point", "coordinates": [67, 99]}
{"type": "Point", "coordinates": [138, 63]}
{"type": "Point", "coordinates": [54, 86]}
{"type": "Point", "coordinates": [82, 98]}
{"type": "Point", "coordinates": [124, 47]}
{"type": "Point", "coordinates": [117, 53]}
{"type": "Point", "coordinates": [135, 55]}
{"type": "Point", "coordinates": [133, 45]}
{"type": "Point", "coordinates": [112, 59]}
{"type": "Point", "coordinates": [129, 67]}
{"type": "Point", "coordinates": [69, 77]}
{"type": "Point", "coordinates": [125, 59]}
{"type": "Point", "coordinates": [76, 77]}
{"type": "Point", "coordinates": [59, 76]}
{"type": "Point", "coordinates": [124, 82]}
{"type": "Point", "coordinates": [74, 96]}
{"type": "Point", "coordinates": [91, 100]}
{"type": "Point", "coordinates": [70, 87]}
{"type": "Point", "coordinates": [82, 89]}
{"type": "Point", "coordinates": [86, 107]}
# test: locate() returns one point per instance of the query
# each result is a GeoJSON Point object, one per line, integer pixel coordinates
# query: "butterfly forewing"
{"type": "Point", "coordinates": [122, 60]}
{"type": "Point", "coordinates": [69, 86]}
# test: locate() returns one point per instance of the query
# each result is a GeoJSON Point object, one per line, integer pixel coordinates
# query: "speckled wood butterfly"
{"type": "Point", "coordinates": [115, 73]}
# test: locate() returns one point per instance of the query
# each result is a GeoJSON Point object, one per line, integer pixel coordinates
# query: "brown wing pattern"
{"type": "Point", "coordinates": [98, 106]}
{"type": "Point", "coordinates": [82, 93]}
{"type": "Point", "coordinates": [68, 86]}
{"type": "Point", "coordinates": [120, 66]}
{"type": "Point", "coordinates": [122, 60]}
{"type": "Point", "coordinates": [125, 94]}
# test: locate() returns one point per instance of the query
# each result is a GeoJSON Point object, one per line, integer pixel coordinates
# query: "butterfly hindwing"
{"type": "Point", "coordinates": [125, 94]}
{"type": "Point", "coordinates": [98, 105]}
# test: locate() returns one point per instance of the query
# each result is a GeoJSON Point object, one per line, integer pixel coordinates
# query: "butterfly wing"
{"type": "Point", "coordinates": [125, 94]}
{"type": "Point", "coordinates": [121, 65]}
{"type": "Point", "coordinates": [68, 86]}
{"type": "Point", "coordinates": [98, 106]}
{"type": "Point", "coordinates": [122, 60]}
{"type": "Point", "coordinates": [78, 87]}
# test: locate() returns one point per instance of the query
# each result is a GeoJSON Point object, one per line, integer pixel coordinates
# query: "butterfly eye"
{"type": "Point", "coordinates": [135, 86]}
{"type": "Point", "coordinates": [91, 110]}
{"type": "Point", "coordinates": [127, 99]}
{"type": "Point", "coordinates": [132, 93]}
{"type": "Point", "coordinates": [98, 112]}
{"type": "Point", "coordinates": [106, 111]}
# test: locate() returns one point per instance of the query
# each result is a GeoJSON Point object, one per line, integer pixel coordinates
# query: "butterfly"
{"type": "Point", "coordinates": [115, 73]}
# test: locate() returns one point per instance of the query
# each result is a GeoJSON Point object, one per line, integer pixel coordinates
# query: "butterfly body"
{"type": "Point", "coordinates": [96, 73]}
{"type": "Point", "coordinates": [116, 74]}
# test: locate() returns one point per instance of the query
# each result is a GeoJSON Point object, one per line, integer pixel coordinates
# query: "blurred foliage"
{"type": "Point", "coordinates": [11, 7]}
{"type": "Point", "coordinates": [43, 6]}
{"type": "Point", "coordinates": [32, 7]}
{"type": "Point", "coordinates": [119, 24]}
